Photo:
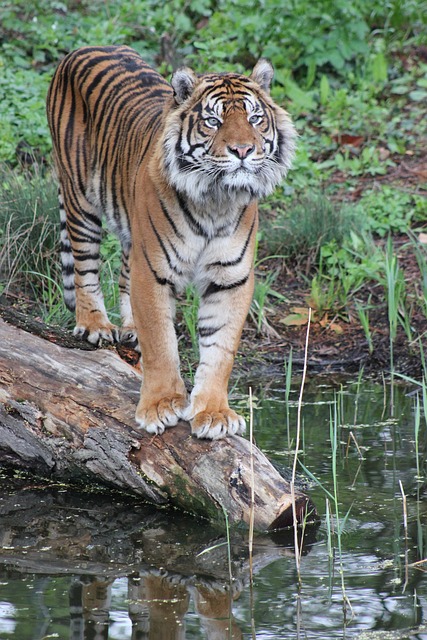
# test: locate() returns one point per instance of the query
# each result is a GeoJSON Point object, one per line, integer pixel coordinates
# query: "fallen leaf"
{"type": "Point", "coordinates": [324, 321]}
{"type": "Point", "coordinates": [347, 138]}
{"type": "Point", "coordinates": [383, 153]}
{"type": "Point", "coordinates": [336, 327]}
{"type": "Point", "coordinates": [300, 310]}
{"type": "Point", "coordinates": [295, 320]}
{"type": "Point", "coordinates": [422, 237]}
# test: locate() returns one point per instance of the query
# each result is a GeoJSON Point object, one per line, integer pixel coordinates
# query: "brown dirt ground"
{"type": "Point", "coordinates": [337, 341]}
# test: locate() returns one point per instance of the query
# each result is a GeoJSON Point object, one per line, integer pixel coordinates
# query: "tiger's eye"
{"type": "Point", "coordinates": [213, 122]}
{"type": "Point", "coordinates": [255, 119]}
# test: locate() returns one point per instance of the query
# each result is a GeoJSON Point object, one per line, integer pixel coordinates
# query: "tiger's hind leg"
{"type": "Point", "coordinates": [127, 332]}
{"type": "Point", "coordinates": [80, 242]}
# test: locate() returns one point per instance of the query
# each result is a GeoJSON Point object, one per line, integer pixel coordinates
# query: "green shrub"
{"type": "Point", "coordinates": [299, 230]}
{"type": "Point", "coordinates": [390, 210]}
{"type": "Point", "coordinates": [315, 48]}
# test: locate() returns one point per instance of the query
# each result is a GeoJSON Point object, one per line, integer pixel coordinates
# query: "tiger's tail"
{"type": "Point", "coordinates": [67, 258]}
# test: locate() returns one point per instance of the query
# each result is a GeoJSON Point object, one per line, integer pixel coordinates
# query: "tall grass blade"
{"type": "Point", "coordinates": [297, 443]}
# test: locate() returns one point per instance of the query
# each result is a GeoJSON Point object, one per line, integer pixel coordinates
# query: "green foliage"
{"type": "Point", "coordinates": [111, 257]}
{"type": "Point", "coordinates": [22, 111]}
{"type": "Point", "coordinates": [300, 228]}
{"type": "Point", "coordinates": [301, 38]}
{"type": "Point", "coordinates": [343, 70]}
{"type": "Point", "coordinates": [189, 310]}
{"type": "Point", "coordinates": [259, 308]}
{"type": "Point", "coordinates": [390, 210]}
{"type": "Point", "coordinates": [29, 238]}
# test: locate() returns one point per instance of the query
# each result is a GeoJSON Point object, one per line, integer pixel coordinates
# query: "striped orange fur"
{"type": "Point", "coordinates": [177, 170]}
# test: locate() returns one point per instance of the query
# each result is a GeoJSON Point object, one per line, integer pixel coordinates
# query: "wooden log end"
{"type": "Point", "coordinates": [305, 513]}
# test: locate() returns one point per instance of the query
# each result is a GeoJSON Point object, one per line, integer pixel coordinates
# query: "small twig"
{"type": "Point", "coordinates": [252, 503]}
{"type": "Point", "coordinates": [352, 436]}
{"type": "Point", "coordinates": [418, 562]}
{"type": "Point", "coordinates": [251, 513]}
{"type": "Point", "coordinates": [405, 513]}
{"type": "Point", "coordinates": [405, 529]}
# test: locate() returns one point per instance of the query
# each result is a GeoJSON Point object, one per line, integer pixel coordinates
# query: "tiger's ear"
{"type": "Point", "coordinates": [263, 74]}
{"type": "Point", "coordinates": [183, 81]}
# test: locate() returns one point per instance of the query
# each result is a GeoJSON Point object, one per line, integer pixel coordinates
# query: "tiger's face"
{"type": "Point", "coordinates": [226, 135]}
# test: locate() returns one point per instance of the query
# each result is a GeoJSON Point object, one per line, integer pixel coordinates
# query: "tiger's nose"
{"type": "Point", "coordinates": [242, 151]}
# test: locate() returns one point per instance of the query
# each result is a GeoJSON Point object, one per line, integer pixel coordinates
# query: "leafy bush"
{"type": "Point", "coordinates": [22, 112]}
{"type": "Point", "coordinates": [311, 45]}
{"type": "Point", "coordinates": [389, 210]}
{"type": "Point", "coordinates": [304, 39]}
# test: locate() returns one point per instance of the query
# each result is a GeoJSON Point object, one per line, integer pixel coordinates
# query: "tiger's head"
{"type": "Point", "coordinates": [224, 134]}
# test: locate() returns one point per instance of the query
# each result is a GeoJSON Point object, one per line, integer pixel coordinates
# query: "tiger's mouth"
{"type": "Point", "coordinates": [236, 167]}
{"type": "Point", "coordinates": [219, 176]}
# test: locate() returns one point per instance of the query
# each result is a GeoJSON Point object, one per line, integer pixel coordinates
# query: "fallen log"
{"type": "Point", "coordinates": [69, 414]}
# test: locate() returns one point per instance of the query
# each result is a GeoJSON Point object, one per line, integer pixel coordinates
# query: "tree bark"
{"type": "Point", "coordinates": [69, 414]}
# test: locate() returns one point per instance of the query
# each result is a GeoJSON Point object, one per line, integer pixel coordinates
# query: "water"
{"type": "Point", "coordinates": [94, 566]}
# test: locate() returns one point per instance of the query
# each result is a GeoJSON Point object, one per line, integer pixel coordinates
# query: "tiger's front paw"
{"type": "Point", "coordinates": [157, 416]}
{"type": "Point", "coordinates": [95, 333]}
{"type": "Point", "coordinates": [217, 424]}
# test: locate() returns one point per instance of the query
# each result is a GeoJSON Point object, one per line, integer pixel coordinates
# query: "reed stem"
{"type": "Point", "coordinates": [297, 442]}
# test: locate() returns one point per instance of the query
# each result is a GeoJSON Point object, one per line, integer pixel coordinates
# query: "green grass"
{"type": "Point", "coordinates": [189, 309]}
{"type": "Point", "coordinates": [300, 226]}
{"type": "Point", "coordinates": [30, 266]}
{"type": "Point", "coordinates": [29, 232]}
{"type": "Point", "coordinates": [350, 75]}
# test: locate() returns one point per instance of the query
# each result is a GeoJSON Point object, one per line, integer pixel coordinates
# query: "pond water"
{"type": "Point", "coordinates": [94, 566]}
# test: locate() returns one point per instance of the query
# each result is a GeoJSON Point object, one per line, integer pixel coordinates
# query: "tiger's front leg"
{"type": "Point", "coordinates": [222, 315]}
{"type": "Point", "coordinates": [163, 395]}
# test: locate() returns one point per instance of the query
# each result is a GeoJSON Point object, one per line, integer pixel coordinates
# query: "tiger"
{"type": "Point", "coordinates": [177, 170]}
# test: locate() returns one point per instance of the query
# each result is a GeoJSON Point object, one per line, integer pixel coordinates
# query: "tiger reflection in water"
{"type": "Point", "coordinates": [157, 609]}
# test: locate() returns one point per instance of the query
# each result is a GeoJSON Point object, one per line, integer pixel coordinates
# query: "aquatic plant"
{"type": "Point", "coordinates": [363, 314]}
{"type": "Point", "coordinates": [395, 291]}
{"type": "Point", "coordinates": [297, 445]}
{"type": "Point", "coordinates": [287, 365]}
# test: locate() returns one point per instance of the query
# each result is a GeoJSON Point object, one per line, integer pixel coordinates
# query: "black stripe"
{"type": "Point", "coordinates": [194, 224]}
{"type": "Point", "coordinates": [85, 256]}
{"type": "Point", "coordinates": [68, 269]}
{"type": "Point", "coordinates": [239, 219]}
{"type": "Point", "coordinates": [171, 222]}
{"type": "Point", "coordinates": [159, 279]}
{"type": "Point", "coordinates": [280, 143]}
{"type": "Point", "coordinates": [213, 287]}
{"type": "Point", "coordinates": [205, 332]}
{"type": "Point", "coordinates": [84, 272]}
{"type": "Point", "coordinates": [233, 263]}
{"type": "Point", "coordinates": [161, 243]}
